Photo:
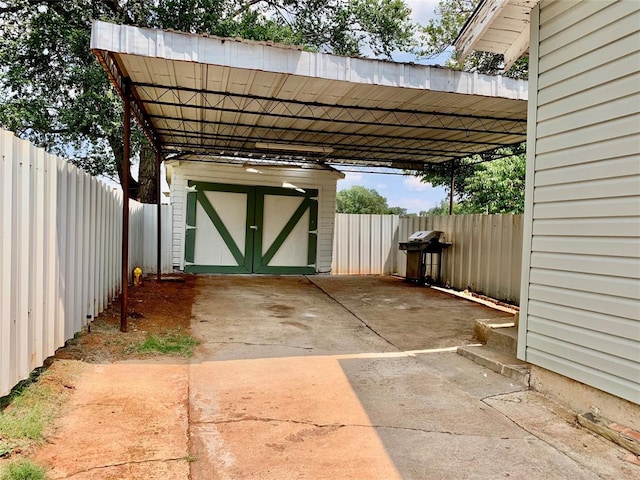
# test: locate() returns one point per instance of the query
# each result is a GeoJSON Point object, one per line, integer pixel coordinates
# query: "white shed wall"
{"type": "Point", "coordinates": [323, 180]}
{"type": "Point", "coordinates": [580, 294]}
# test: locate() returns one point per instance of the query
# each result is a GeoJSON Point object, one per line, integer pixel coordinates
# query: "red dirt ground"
{"type": "Point", "coordinates": [154, 307]}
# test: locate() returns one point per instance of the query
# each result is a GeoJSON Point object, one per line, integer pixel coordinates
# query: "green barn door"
{"type": "Point", "coordinates": [245, 229]}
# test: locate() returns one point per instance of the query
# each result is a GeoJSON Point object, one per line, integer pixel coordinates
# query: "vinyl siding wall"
{"type": "Point", "coordinates": [323, 180]}
{"type": "Point", "coordinates": [581, 266]}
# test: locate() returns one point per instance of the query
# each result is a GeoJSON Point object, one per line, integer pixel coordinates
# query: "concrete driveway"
{"type": "Point", "coordinates": [357, 378]}
{"type": "Point", "coordinates": [320, 378]}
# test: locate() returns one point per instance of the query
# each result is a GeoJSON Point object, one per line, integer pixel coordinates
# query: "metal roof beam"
{"type": "Point", "coordinates": [316, 111]}
{"type": "Point", "coordinates": [242, 157]}
{"type": "Point", "coordinates": [329, 137]}
{"type": "Point", "coordinates": [364, 147]}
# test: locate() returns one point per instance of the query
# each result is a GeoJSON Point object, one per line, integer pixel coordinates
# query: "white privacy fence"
{"type": "Point", "coordinates": [486, 251]}
{"type": "Point", "coordinates": [60, 254]}
{"type": "Point", "coordinates": [364, 244]}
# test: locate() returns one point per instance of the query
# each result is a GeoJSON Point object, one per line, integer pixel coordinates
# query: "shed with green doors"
{"type": "Point", "coordinates": [240, 218]}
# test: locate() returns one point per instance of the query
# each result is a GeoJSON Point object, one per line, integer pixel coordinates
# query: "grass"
{"type": "Point", "coordinates": [190, 458]}
{"type": "Point", "coordinates": [25, 413]}
{"type": "Point", "coordinates": [23, 470]}
{"type": "Point", "coordinates": [170, 343]}
{"type": "Point", "coordinates": [32, 406]}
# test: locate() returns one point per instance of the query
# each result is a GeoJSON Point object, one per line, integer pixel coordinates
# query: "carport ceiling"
{"type": "Point", "coordinates": [226, 99]}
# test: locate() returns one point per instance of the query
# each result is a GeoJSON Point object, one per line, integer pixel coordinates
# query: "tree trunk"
{"type": "Point", "coordinates": [117, 147]}
{"type": "Point", "coordinates": [147, 174]}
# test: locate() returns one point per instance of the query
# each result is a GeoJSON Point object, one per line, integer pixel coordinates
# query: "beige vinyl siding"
{"type": "Point", "coordinates": [581, 292]}
{"type": "Point", "coordinates": [323, 180]}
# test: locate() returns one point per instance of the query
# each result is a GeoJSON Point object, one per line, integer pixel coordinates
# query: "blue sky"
{"type": "Point", "coordinates": [399, 190]}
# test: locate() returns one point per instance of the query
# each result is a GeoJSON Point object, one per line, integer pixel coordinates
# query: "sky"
{"type": "Point", "coordinates": [399, 190]}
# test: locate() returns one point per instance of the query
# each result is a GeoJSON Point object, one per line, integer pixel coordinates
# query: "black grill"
{"type": "Point", "coordinates": [420, 268]}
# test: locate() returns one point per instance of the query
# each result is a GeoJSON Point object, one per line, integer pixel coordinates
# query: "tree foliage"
{"type": "Point", "coordinates": [496, 187]}
{"type": "Point", "coordinates": [492, 187]}
{"type": "Point", "coordinates": [359, 199]}
{"type": "Point", "coordinates": [441, 32]}
{"type": "Point", "coordinates": [54, 93]}
{"type": "Point", "coordinates": [487, 187]}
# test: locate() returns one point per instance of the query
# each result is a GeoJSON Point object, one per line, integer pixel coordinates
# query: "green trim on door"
{"type": "Point", "coordinates": [287, 270]}
{"type": "Point", "coordinates": [191, 209]}
{"type": "Point", "coordinates": [215, 269]}
{"type": "Point", "coordinates": [313, 232]}
{"type": "Point", "coordinates": [220, 187]}
{"type": "Point", "coordinates": [252, 260]}
{"type": "Point", "coordinates": [190, 244]}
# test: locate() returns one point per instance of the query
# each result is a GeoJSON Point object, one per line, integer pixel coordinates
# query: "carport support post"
{"type": "Point", "coordinates": [126, 168]}
{"type": "Point", "coordinates": [452, 186]}
{"type": "Point", "coordinates": [159, 202]}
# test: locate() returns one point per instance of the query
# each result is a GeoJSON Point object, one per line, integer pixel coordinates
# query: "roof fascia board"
{"type": "Point", "coordinates": [477, 25]}
{"type": "Point", "coordinates": [176, 46]}
{"type": "Point", "coordinates": [482, 19]}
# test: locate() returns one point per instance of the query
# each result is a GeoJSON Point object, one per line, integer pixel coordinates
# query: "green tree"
{"type": "Point", "coordinates": [472, 177]}
{"type": "Point", "coordinates": [487, 187]}
{"type": "Point", "coordinates": [54, 93]}
{"type": "Point", "coordinates": [438, 35]}
{"type": "Point", "coordinates": [496, 187]}
{"type": "Point", "coordinates": [359, 199]}
{"type": "Point", "coordinates": [397, 211]}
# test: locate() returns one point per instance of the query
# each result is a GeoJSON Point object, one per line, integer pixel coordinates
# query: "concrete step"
{"type": "Point", "coordinates": [499, 361]}
{"type": "Point", "coordinates": [497, 333]}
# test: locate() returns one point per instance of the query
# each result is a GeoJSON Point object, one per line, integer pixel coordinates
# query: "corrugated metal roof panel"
{"type": "Point", "coordinates": [208, 95]}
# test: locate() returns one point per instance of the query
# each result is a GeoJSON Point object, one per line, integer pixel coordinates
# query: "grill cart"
{"type": "Point", "coordinates": [420, 268]}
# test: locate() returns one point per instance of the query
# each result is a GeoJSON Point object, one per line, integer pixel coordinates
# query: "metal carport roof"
{"type": "Point", "coordinates": [227, 98]}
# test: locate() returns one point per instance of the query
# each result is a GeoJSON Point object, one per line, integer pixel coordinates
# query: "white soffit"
{"type": "Point", "coordinates": [199, 95]}
{"type": "Point", "coordinates": [497, 26]}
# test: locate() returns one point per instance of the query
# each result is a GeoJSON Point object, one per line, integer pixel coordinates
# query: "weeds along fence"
{"type": "Point", "coordinates": [60, 254]}
{"type": "Point", "coordinates": [486, 251]}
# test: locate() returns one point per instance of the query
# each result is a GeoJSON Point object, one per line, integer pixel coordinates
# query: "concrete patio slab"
{"type": "Point", "coordinates": [409, 316]}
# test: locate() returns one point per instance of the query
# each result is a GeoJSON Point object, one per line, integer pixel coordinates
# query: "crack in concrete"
{"type": "Point", "coordinates": [369, 327]}
{"type": "Point", "coordinates": [343, 425]}
{"type": "Point", "coordinates": [261, 345]}
{"type": "Point", "coordinates": [119, 464]}
{"type": "Point", "coordinates": [566, 452]}
{"type": "Point", "coordinates": [496, 395]}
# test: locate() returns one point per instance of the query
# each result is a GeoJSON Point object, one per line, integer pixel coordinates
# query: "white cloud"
{"type": "Point", "coordinates": [413, 184]}
{"type": "Point", "coordinates": [350, 179]}
{"type": "Point", "coordinates": [422, 10]}
{"type": "Point", "coordinates": [414, 204]}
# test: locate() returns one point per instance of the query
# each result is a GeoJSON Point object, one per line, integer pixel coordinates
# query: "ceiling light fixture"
{"type": "Point", "coordinates": [294, 148]}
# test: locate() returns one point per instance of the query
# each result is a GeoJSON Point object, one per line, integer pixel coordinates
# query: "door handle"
{"type": "Point", "coordinates": [253, 227]}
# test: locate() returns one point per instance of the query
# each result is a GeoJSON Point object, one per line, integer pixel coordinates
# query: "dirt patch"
{"type": "Point", "coordinates": [154, 308]}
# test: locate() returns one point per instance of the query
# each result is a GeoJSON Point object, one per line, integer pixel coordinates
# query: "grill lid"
{"type": "Point", "coordinates": [425, 236]}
